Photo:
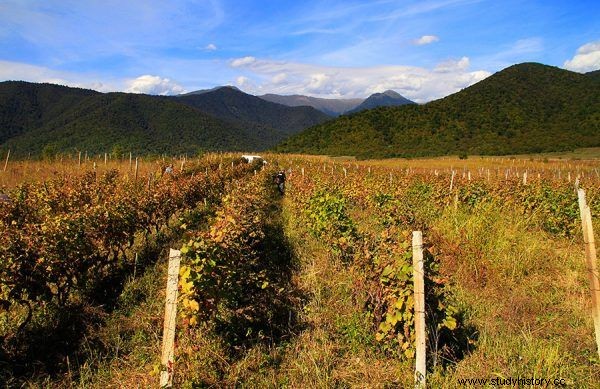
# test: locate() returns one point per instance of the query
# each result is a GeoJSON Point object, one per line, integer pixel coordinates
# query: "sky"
{"type": "Point", "coordinates": [424, 50]}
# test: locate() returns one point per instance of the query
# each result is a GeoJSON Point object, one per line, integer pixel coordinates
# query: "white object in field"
{"type": "Point", "coordinates": [251, 158]}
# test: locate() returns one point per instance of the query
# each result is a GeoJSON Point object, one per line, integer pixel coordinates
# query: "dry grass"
{"type": "Point", "coordinates": [525, 291]}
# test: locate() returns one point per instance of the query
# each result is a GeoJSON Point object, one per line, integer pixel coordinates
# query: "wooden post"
{"type": "Point", "coordinates": [302, 172]}
{"type": "Point", "coordinates": [136, 168]}
{"type": "Point", "coordinates": [7, 157]}
{"type": "Point", "coordinates": [79, 164]}
{"type": "Point", "coordinates": [452, 180]}
{"type": "Point", "coordinates": [105, 158]}
{"type": "Point", "coordinates": [525, 178]}
{"type": "Point", "coordinates": [590, 257]}
{"type": "Point", "coordinates": [168, 345]}
{"type": "Point", "coordinates": [419, 297]}
{"type": "Point", "coordinates": [345, 173]}
{"type": "Point", "coordinates": [130, 161]}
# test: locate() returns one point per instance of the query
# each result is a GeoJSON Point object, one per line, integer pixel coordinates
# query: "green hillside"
{"type": "Point", "coordinates": [34, 117]}
{"type": "Point", "coordinates": [525, 108]}
{"type": "Point", "coordinates": [254, 113]}
{"type": "Point", "coordinates": [24, 105]}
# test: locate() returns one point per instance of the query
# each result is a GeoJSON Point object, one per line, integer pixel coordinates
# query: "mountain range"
{"type": "Point", "coordinates": [38, 117]}
{"type": "Point", "coordinates": [525, 108]}
{"type": "Point", "coordinates": [332, 107]}
{"type": "Point", "coordinates": [336, 107]}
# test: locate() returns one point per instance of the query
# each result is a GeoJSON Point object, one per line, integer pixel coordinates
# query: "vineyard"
{"type": "Point", "coordinates": [310, 289]}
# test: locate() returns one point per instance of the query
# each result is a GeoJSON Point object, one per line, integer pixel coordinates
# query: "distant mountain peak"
{"type": "Point", "coordinates": [391, 93]}
{"type": "Point", "coordinates": [389, 98]}
{"type": "Point", "coordinates": [216, 88]}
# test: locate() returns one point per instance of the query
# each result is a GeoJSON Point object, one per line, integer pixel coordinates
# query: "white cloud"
{"type": "Point", "coordinates": [154, 85]}
{"type": "Point", "coordinates": [239, 62]}
{"type": "Point", "coordinates": [210, 47]}
{"type": "Point", "coordinates": [452, 65]}
{"type": "Point", "coordinates": [586, 59]}
{"type": "Point", "coordinates": [242, 81]}
{"type": "Point", "coordinates": [416, 83]}
{"type": "Point", "coordinates": [426, 39]}
{"type": "Point", "coordinates": [279, 78]}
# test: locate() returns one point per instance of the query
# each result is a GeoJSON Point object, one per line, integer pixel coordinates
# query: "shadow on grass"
{"type": "Point", "coordinates": [445, 345]}
{"type": "Point", "coordinates": [268, 315]}
{"type": "Point", "coordinates": [61, 339]}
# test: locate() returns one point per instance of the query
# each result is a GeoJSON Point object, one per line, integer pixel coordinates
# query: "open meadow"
{"type": "Point", "coordinates": [313, 288]}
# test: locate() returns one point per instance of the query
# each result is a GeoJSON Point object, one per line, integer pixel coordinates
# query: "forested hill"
{"type": "Point", "coordinates": [522, 109]}
{"type": "Point", "coordinates": [231, 104]}
{"type": "Point", "coordinates": [24, 105]}
{"type": "Point", "coordinates": [38, 117]}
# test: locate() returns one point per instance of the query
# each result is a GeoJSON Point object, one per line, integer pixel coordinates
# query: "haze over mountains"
{"type": "Point", "coordinates": [332, 107]}
{"type": "Point", "coordinates": [336, 107]}
{"type": "Point", "coordinates": [525, 108]}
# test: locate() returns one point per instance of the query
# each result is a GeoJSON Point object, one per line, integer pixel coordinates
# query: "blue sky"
{"type": "Point", "coordinates": [422, 49]}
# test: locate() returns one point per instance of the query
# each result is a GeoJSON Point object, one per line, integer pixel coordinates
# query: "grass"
{"type": "Point", "coordinates": [527, 294]}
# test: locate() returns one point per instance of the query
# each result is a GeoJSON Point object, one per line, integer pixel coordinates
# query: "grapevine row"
{"type": "Point", "coordinates": [61, 236]}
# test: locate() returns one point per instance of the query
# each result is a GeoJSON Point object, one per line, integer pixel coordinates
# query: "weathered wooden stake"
{"type": "Point", "coordinates": [7, 157]}
{"type": "Point", "coordinates": [136, 168]}
{"type": "Point", "coordinates": [345, 173]}
{"type": "Point", "coordinates": [168, 346]}
{"type": "Point", "coordinates": [79, 163]}
{"type": "Point", "coordinates": [130, 161]}
{"type": "Point", "coordinates": [302, 172]}
{"type": "Point", "coordinates": [105, 158]}
{"type": "Point", "coordinates": [419, 296]}
{"type": "Point", "coordinates": [590, 257]}
{"type": "Point", "coordinates": [452, 180]}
